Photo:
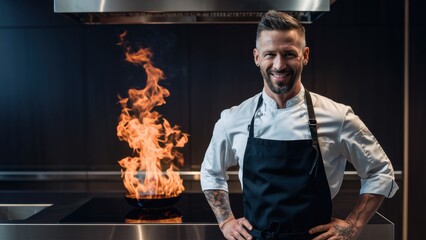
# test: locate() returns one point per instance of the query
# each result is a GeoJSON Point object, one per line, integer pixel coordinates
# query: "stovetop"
{"type": "Point", "coordinates": [107, 216]}
{"type": "Point", "coordinates": [191, 208]}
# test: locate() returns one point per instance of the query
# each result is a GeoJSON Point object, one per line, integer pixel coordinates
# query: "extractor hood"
{"type": "Point", "coordinates": [186, 11]}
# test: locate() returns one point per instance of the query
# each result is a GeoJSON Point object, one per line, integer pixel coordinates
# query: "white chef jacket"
{"type": "Point", "coordinates": [342, 137]}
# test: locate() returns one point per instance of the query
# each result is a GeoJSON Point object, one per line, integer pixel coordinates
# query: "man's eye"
{"type": "Point", "coordinates": [269, 55]}
{"type": "Point", "coordinates": [289, 55]}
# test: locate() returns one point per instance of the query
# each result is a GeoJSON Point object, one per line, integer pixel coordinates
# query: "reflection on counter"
{"type": "Point", "coordinates": [162, 215]}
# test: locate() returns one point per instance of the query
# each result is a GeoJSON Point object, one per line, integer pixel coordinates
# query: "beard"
{"type": "Point", "coordinates": [280, 87]}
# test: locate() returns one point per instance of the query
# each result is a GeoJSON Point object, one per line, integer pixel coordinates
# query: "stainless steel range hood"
{"type": "Point", "coordinates": [186, 11]}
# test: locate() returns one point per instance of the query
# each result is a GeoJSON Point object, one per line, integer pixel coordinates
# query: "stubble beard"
{"type": "Point", "coordinates": [279, 88]}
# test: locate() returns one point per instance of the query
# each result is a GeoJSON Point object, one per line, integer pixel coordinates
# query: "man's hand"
{"type": "Point", "coordinates": [337, 229]}
{"type": "Point", "coordinates": [232, 229]}
{"type": "Point", "coordinates": [236, 229]}
{"type": "Point", "coordinates": [350, 228]}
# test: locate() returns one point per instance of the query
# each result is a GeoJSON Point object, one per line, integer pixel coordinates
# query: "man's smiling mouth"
{"type": "Point", "coordinates": [280, 75]}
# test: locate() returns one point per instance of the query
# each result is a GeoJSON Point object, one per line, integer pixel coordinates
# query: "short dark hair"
{"type": "Point", "coordinates": [279, 21]}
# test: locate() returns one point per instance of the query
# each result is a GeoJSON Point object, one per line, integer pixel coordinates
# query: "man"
{"type": "Point", "coordinates": [292, 147]}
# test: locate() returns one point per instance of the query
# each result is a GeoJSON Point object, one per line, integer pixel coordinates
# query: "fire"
{"type": "Point", "coordinates": [151, 136]}
{"type": "Point", "coordinates": [167, 220]}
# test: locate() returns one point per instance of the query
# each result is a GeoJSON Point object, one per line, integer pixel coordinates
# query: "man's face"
{"type": "Point", "coordinates": [281, 56]}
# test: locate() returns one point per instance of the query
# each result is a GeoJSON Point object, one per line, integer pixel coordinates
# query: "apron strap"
{"type": "Point", "coordinates": [250, 127]}
{"type": "Point", "coordinates": [313, 129]}
{"type": "Point", "coordinates": [312, 119]}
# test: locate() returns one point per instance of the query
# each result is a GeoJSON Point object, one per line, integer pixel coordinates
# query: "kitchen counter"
{"type": "Point", "coordinates": [71, 215]}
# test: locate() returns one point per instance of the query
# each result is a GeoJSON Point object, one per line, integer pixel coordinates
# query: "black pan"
{"type": "Point", "coordinates": [152, 201]}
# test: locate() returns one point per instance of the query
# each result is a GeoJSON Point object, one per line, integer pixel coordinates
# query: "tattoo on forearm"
{"type": "Point", "coordinates": [219, 202]}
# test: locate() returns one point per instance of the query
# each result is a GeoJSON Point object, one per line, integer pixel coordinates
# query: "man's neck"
{"type": "Point", "coordinates": [281, 99]}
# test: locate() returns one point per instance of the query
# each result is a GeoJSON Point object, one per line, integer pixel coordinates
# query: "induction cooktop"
{"type": "Point", "coordinates": [191, 208]}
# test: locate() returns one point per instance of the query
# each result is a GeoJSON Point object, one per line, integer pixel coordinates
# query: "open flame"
{"type": "Point", "coordinates": [151, 137]}
{"type": "Point", "coordinates": [165, 220]}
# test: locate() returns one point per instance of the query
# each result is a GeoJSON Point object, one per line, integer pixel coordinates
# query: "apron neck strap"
{"type": "Point", "coordinates": [251, 126]}
{"type": "Point", "coordinates": [312, 119]}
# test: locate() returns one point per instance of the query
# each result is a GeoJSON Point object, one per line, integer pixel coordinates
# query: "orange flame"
{"type": "Point", "coordinates": [151, 137]}
{"type": "Point", "coordinates": [167, 220]}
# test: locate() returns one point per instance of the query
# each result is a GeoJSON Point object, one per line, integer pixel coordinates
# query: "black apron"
{"type": "Point", "coordinates": [286, 190]}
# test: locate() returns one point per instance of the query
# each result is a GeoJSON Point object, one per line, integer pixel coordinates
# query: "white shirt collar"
{"type": "Point", "coordinates": [300, 97]}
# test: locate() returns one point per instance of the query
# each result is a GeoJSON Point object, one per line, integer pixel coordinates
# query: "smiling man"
{"type": "Point", "coordinates": [291, 146]}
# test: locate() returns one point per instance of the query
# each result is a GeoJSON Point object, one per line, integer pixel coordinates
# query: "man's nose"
{"type": "Point", "coordinates": [279, 62]}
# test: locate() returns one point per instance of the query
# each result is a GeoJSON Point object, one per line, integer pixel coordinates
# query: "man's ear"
{"type": "Point", "coordinates": [306, 55]}
{"type": "Point", "coordinates": [256, 56]}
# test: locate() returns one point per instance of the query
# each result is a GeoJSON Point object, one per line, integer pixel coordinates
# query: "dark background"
{"type": "Point", "coordinates": [60, 81]}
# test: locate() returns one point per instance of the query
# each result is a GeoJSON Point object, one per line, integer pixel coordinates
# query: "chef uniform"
{"type": "Point", "coordinates": [285, 187]}
{"type": "Point", "coordinates": [274, 204]}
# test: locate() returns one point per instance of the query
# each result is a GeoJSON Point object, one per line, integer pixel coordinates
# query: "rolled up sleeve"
{"type": "Point", "coordinates": [218, 158]}
{"type": "Point", "coordinates": [363, 150]}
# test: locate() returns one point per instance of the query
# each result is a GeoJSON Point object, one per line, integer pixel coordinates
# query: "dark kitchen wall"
{"type": "Point", "coordinates": [417, 118]}
{"type": "Point", "coordinates": [60, 80]}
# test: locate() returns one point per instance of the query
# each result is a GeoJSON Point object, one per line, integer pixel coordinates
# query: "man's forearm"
{"type": "Point", "coordinates": [219, 202]}
{"type": "Point", "coordinates": [364, 209]}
